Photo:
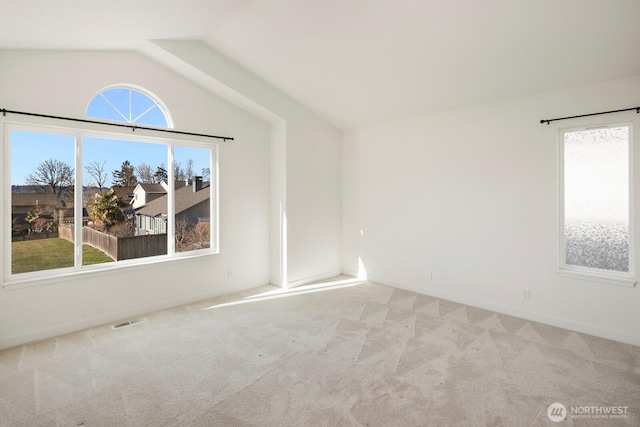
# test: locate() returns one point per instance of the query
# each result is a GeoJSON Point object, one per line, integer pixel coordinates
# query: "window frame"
{"type": "Point", "coordinates": [619, 278]}
{"type": "Point", "coordinates": [78, 131]}
{"type": "Point", "coordinates": [157, 102]}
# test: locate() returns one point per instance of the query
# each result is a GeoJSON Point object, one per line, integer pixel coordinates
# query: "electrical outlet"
{"type": "Point", "coordinates": [428, 274]}
{"type": "Point", "coordinates": [229, 273]}
{"type": "Point", "coordinates": [526, 295]}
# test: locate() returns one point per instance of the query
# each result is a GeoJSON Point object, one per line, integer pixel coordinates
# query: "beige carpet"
{"type": "Point", "coordinates": [348, 355]}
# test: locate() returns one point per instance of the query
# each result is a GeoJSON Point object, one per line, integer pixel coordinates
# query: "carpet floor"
{"type": "Point", "coordinates": [333, 354]}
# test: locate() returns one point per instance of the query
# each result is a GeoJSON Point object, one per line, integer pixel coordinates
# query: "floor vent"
{"type": "Point", "coordinates": [129, 323]}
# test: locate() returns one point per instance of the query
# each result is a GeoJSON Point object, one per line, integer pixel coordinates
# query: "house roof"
{"type": "Point", "coordinates": [124, 192]}
{"type": "Point", "coordinates": [38, 199]}
{"type": "Point", "coordinates": [22, 203]}
{"type": "Point", "coordinates": [185, 198]}
{"type": "Point", "coordinates": [152, 188]}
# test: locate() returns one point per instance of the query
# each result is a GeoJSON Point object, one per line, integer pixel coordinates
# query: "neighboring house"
{"type": "Point", "coordinates": [192, 206]}
{"type": "Point", "coordinates": [49, 204]}
{"type": "Point", "coordinates": [124, 193]}
{"type": "Point", "coordinates": [146, 193]}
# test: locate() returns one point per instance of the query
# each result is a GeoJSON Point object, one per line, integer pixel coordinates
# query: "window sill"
{"type": "Point", "coordinates": [102, 269]}
{"type": "Point", "coordinates": [628, 282]}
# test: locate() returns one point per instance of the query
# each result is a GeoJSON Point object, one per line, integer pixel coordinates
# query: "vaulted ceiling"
{"type": "Point", "coordinates": [359, 62]}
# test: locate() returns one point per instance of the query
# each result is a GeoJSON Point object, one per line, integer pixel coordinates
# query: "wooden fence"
{"type": "Point", "coordinates": [119, 248]}
{"type": "Point", "coordinates": [65, 231]}
{"type": "Point", "coordinates": [141, 246]}
{"type": "Point", "coordinates": [101, 241]}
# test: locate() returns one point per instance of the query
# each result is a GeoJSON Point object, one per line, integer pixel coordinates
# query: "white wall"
{"type": "Point", "coordinates": [463, 205]}
{"type": "Point", "coordinates": [310, 195]}
{"type": "Point", "coordinates": [62, 83]}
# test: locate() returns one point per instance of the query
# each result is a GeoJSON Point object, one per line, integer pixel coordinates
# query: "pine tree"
{"type": "Point", "coordinates": [126, 176]}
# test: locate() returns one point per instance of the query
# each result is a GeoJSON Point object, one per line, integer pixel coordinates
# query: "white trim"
{"type": "Point", "coordinates": [306, 280]}
{"type": "Point", "coordinates": [593, 274]}
{"type": "Point", "coordinates": [67, 328]}
{"type": "Point", "coordinates": [598, 276]}
{"type": "Point", "coordinates": [5, 185]}
{"type": "Point", "coordinates": [96, 270]}
{"type": "Point", "coordinates": [214, 206]}
{"type": "Point", "coordinates": [77, 201]}
{"type": "Point", "coordinates": [11, 281]}
{"type": "Point", "coordinates": [157, 102]}
{"type": "Point", "coordinates": [171, 201]}
{"type": "Point", "coordinates": [348, 272]}
{"type": "Point", "coordinates": [633, 339]}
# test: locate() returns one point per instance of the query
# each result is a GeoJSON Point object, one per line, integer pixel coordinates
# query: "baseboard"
{"type": "Point", "coordinates": [352, 273]}
{"type": "Point", "coordinates": [67, 328]}
{"type": "Point", "coordinates": [571, 325]}
{"type": "Point", "coordinates": [306, 280]}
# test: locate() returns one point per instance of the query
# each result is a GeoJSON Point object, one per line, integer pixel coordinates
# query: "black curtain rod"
{"type": "Point", "coordinates": [122, 125]}
{"type": "Point", "coordinates": [547, 121]}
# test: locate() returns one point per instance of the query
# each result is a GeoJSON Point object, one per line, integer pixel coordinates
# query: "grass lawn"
{"type": "Point", "coordinates": [47, 254]}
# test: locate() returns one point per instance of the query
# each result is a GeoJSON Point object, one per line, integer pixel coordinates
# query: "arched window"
{"type": "Point", "coordinates": [129, 105]}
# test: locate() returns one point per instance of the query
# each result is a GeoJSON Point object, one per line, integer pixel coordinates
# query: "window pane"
{"type": "Point", "coordinates": [127, 218]}
{"type": "Point", "coordinates": [127, 105]}
{"type": "Point", "coordinates": [139, 104]}
{"type": "Point", "coordinates": [100, 108]}
{"type": "Point", "coordinates": [42, 201]}
{"type": "Point", "coordinates": [119, 98]}
{"type": "Point", "coordinates": [154, 117]}
{"type": "Point", "coordinates": [192, 171]}
{"type": "Point", "coordinates": [596, 198]}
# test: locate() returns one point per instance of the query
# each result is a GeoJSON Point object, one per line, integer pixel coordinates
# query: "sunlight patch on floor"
{"type": "Point", "coordinates": [298, 290]}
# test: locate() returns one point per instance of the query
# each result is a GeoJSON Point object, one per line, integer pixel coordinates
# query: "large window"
{"type": "Point", "coordinates": [595, 201]}
{"type": "Point", "coordinates": [81, 199]}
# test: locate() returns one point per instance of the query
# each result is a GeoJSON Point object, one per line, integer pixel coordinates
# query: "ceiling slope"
{"type": "Point", "coordinates": [360, 62]}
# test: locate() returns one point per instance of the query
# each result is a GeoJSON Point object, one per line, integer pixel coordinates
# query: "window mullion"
{"type": "Point", "coordinates": [78, 203]}
{"type": "Point", "coordinates": [6, 232]}
{"type": "Point", "coordinates": [171, 239]}
{"type": "Point", "coordinates": [632, 201]}
{"type": "Point", "coordinates": [214, 202]}
{"type": "Point", "coordinates": [114, 107]}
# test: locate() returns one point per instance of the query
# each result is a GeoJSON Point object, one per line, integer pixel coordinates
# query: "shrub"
{"type": "Point", "coordinates": [123, 229]}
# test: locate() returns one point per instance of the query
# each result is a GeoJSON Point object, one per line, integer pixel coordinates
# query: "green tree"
{"type": "Point", "coordinates": [126, 176]}
{"type": "Point", "coordinates": [106, 208]}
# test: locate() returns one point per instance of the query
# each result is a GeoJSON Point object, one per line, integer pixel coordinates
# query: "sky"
{"type": "Point", "coordinates": [29, 149]}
